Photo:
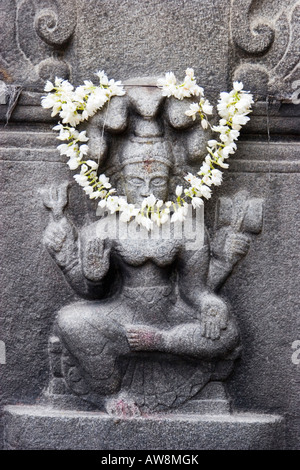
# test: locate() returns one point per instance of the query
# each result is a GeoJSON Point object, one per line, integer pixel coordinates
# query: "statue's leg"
{"type": "Point", "coordinates": [207, 331]}
{"type": "Point", "coordinates": [93, 343]}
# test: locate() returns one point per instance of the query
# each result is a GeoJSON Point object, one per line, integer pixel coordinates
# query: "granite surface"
{"type": "Point", "coordinates": [257, 42]}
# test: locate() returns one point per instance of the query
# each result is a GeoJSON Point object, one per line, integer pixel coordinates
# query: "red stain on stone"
{"type": "Point", "coordinates": [147, 165]}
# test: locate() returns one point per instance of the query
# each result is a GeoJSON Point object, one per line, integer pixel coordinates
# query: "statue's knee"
{"type": "Point", "coordinates": [82, 326]}
{"type": "Point", "coordinates": [71, 318]}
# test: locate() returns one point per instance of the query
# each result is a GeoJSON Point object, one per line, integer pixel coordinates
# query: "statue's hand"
{"type": "Point", "coordinates": [54, 237]}
{"type": "Point", "coordinates": [236, 247]}
{"type": "Point", "coordinates": [96, 258]}
{"type": "Point", "coordinates": [143, 338]}
{"type": "Point", "coordinates": [230, 246]}
{"type": "Point", "coordinates": [214, 316]}
{"type": "Point", "coordinates": [59, 240]}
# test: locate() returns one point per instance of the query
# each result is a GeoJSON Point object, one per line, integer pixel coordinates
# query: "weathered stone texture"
{"type": "Point", "coordinates": [257, 42]}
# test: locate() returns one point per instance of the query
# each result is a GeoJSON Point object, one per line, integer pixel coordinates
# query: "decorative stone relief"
{"type": "Point", "coordinates": [150, 333]}
{"type": "Point", "coordinates": [40, 34]}
{"type": "Point", "coordinates": [266, 46]}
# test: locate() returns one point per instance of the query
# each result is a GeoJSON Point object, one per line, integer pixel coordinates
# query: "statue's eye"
{"type": "Point", "coordinates": [158, 181]}
{"type": "Point", "coordinates": [135, 181]}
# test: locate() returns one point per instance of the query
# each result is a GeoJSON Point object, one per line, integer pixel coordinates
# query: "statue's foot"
{"type": "Point", "coordinates": [143, 338]}
{"type": "Point", "coordinates": [122, 406]}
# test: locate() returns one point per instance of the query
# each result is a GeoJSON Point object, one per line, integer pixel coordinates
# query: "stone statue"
{"type": "Point", "coordinates": [151, 333]}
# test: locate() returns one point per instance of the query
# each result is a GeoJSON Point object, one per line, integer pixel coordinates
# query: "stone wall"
{"type": "Point", "coordinates": [254, 41]}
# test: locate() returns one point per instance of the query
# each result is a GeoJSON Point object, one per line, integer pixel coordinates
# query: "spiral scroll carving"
{"type": "Point", "coordinates": [253, 39]}
{"type": "Point", "coordinates": [266, 55]}
{"type": "Point", "coordinates": [43, 29]}
{"type": "Point", "coordinates": [56, 27]}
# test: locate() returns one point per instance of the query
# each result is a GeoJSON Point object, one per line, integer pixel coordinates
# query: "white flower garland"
{"type": "Point", "coordinates": [77, 105]}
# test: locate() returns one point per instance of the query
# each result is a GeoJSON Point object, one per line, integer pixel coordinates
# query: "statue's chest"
{"type": "Point", "coordinates": [137, 252]}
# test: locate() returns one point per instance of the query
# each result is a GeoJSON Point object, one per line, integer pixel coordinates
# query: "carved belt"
{"type": "Point", "coordinates": [147, 295]}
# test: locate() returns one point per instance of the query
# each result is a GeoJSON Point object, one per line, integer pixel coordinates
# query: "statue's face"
{"type": "Point", "coordinates": [145, 178]}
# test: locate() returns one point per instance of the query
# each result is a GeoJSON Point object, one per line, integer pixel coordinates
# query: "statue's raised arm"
{"type": "Point", "coordinates": [83, 257]}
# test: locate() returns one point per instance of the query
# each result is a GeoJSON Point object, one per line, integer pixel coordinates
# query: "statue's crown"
{"type": "Point", "coordinates": [146, 149]}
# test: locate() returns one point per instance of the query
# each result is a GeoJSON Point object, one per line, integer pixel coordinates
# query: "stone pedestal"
{"type": "Point", "coordinates": [41, 427]}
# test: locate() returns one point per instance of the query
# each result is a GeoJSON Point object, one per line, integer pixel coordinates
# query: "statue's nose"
{"type": "Point", "coordinates": [145, 191]}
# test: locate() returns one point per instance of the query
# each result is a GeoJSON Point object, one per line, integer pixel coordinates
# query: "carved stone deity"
{"type": "Point", "coordinates": [150, 333]}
